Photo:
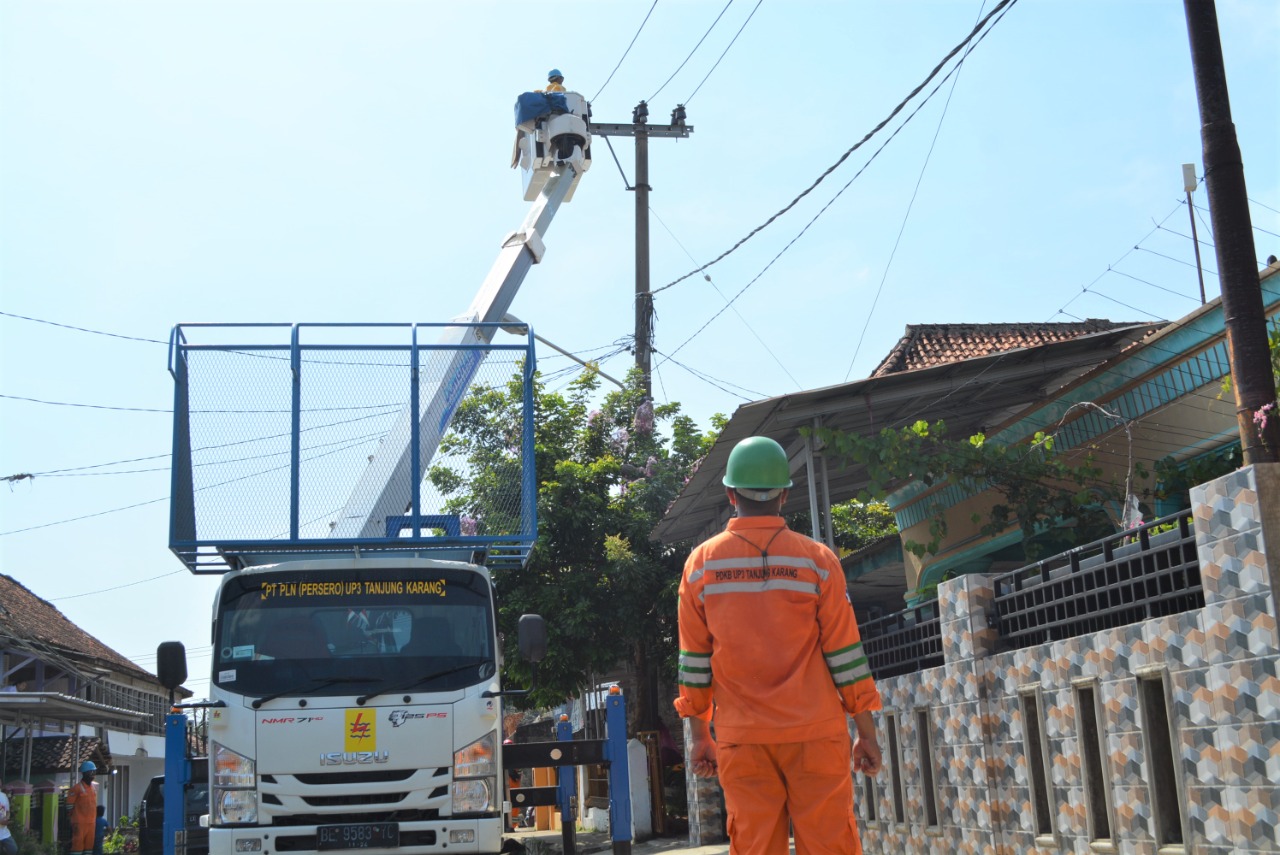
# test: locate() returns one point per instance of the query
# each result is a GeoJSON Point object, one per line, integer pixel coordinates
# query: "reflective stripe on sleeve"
{"type": "Point", "coordinates": [695, 669]}
{"type": "Point", "coordinates": [848, 665]}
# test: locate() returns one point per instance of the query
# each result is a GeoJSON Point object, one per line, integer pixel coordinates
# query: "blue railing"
{"type": "Point", "coordinates": [274, 430]}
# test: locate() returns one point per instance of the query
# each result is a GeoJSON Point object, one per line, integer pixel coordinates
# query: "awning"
{"type": "Point", "coordinates": [19, 708]}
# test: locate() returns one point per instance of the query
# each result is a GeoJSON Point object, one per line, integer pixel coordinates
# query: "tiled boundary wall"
{"type": "Point", "coordinates": [969, 781]}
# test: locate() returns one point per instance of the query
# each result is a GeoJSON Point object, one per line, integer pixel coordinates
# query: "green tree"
{"type": "Point", "coordinates": [1038, 486]}
{"type": "Point", "coordinates": [605, 477]}
{"type": "Point", "coordinates": [854, 524]}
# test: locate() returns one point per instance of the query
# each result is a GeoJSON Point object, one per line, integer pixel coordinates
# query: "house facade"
{"type": "Point", "coordinates": [65, 697]}
{"type": "Point", "coordinates": [1121, 695]}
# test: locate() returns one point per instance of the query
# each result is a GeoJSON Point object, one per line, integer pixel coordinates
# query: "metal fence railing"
{"type": "Point", "coordinates": [1142, 573]}
{"type": "Point", "coordinates": [903, 642]}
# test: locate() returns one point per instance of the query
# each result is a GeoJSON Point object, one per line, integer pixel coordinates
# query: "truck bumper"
{"type": "Point", "coordinates": [428, 836]}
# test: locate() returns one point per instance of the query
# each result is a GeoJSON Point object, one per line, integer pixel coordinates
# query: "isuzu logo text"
{"type": "Point", "coordinates": [354, 758]}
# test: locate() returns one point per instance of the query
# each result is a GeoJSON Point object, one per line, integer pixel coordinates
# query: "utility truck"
{"type": "Point", "coordinates": [355, 699]}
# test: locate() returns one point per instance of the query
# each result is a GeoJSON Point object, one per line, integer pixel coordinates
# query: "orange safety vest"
{"type": "Point", "coordinates": [82, 803]}
{"type": "Point", "coordinates": [768, 635]}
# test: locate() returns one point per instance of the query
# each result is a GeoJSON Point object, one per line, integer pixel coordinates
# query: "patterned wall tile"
{"type": "Point", "coordinates": [1059, 713]}
{"type": "Point", "coordinates": [1208, 817]}
{"type": "Point", "coordinates": [1198, 755]}
{"type": "Point", "coordinates": [960, 682]}
{"type": "Point", "coordinates": [1226, 505]}
{"type": "Point", "coordinates": [1233, 566]}
{"type": "Point", "coordinates": [1132, 813]}
{"type": "Point", "coordinates": [1072, 820]}
{"type": "Point", "coordinates": [1177, 640]}
{"type": "Point", "coordinates": [1241, 628]}
{"type": "Point", "coordinates": [1247, 690]}
{"type": "Point", "coordinates": [1255, 816]}
{"type": "Point", "coordinates": [1120, 705]}
{"type": "Point", "coordinates": [1250, 754]}
{"type": "Point", "coordinates": [1126, 758]}
{"type": "Point", "coordinates": [1064, 762]}
{"type": "Point", "coordinates": [1193, 701]}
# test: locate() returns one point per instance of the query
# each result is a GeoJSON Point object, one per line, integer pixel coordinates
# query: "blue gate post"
{"type": "Point", "coordinates": [567, 781]}
{"type": "Point", "coordinates": [615, 751]}
{"type": "Point", "coordinates": [177, 772]}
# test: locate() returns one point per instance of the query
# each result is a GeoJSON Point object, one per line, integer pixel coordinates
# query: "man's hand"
{"type": "Point", "coordinates": [866, 755]}
{"type": "Point", "coordinates": [702, 751]}
{"type": "Point", "coordinates": [866, 751]}
{"type": "Point", "coordinates": [703, 758]}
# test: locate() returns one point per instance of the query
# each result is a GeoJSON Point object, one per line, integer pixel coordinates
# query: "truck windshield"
{"type": "Point", "coordinates": [335, 633]}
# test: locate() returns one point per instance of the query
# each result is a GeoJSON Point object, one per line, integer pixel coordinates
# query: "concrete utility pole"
{"type": "Point", "coordinates": [642, 131]}
{"type": "Point", "coordinates": [1242, 309]}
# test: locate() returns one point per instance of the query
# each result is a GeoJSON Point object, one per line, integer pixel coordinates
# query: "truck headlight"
{"type": "Point", "coordinates": [237, 807]}
{"type": "Point", "coordinates": [474, 776]}
{"type": "Point", "coordinates": [231, 769]}
{"type": "Point", "coordinates": [475, 760]}
{"type": "Point", "coordinates": [235, 788]}
{"type": "Point", "coordinates": [472, 795]}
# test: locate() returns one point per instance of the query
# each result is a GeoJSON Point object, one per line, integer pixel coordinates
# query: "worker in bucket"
{"type": "Point", "coordinates": [555, 81]}
{"type": "Point", "coordinates": [82, 806]}
{"type": "Point", "coordinates": [770, 653]}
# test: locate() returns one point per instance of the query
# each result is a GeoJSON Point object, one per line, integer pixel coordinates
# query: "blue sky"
{"type": "Point", "coordinates": [317, 161]}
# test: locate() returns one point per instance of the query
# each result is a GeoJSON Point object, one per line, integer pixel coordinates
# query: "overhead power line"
{"type": "Point", "coordinates": [83, 329]}
{"type": "Point", "coordinates": [726, 50]}
{"type": "Point", "coordinates": [880, 126]}
{"type": "Point", "coordinates": [816, 216]}
{"type": "Point", "coordinates": [695, 50]}
{"type": "Point", "coordinates": [884, 277]}
{"type": "Point", "coordinates": [628, 50]}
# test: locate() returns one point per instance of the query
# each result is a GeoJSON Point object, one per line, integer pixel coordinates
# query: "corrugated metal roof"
{"type": "Point", "coordinates": [971, 395]}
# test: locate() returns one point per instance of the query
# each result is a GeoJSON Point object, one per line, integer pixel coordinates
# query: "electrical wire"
{"type": "Point", "coordinates": [880, 126]}
{"type": "Point", "coordinates": [911, 203]}
{"type": "Point", "coordinates": [821, 211]}
{"type": "Point", "coordinates": [202, 412]}
{"type": "Point", "coordinates": [745, 323]}
{"type": "Point", "coordinates": [1255, 228]}
{"type": "Point", "coordinates": [114, 588]}
{"type": "Point", "coordinates": [83, 329]}
{"type": "Point", "coordinates": [165, 498]}
{"type": "Point", "coordinates": [628, 50]}
{"type": "Point", "coordinates": [714, 381]}
{"type": "Point", "coordinates": [695, 50]}
{"type": "Point", "coordinates": [1178, 260]}
{"type": "Point", "coordinates": [726, 50]}
{"type": "Point", "coordinates": [1194, 299]}
{"type": "Point", "coordinates": [1262, 205]}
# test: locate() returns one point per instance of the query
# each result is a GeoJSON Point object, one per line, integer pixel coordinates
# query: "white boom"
{"type": "Point", "coordinates": [553, 152]}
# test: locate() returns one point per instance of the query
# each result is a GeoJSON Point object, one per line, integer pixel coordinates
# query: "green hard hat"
{"type": "Point", "coordinates": [757, 463]}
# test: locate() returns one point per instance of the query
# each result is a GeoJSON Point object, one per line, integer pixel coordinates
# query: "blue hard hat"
{"type": "Point", "coordinates": [555, 72]}
{"type": "Point", "coordinates": [87, 766]}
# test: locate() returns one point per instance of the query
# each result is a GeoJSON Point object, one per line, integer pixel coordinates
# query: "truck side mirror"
{"type": "Point", "coordinates": [532, 638]}
{"type": "Point", "coordinates": [171, 664]}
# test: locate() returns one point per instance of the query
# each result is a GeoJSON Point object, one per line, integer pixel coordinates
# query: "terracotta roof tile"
{"type": "Point", "coordinates": [926, 345]}
{"type": "Point", "coordinates": [51, 754]}
{"type": "Point", "coordinates": [23, 615]}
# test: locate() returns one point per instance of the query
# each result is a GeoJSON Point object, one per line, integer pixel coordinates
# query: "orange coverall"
{"type": "Point", "coordinates": [82, 808]}
{"type": "Point", "coordinates": [773, 642]}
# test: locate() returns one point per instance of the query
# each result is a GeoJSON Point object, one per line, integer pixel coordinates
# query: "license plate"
{"type": "Point", "coordinates": [372, 835]}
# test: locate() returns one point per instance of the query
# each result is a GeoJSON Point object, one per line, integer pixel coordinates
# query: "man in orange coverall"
{"type": "Point", "coordinates": [769, 642]}
{"type": "Point", "coordinates": [82, 807]}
